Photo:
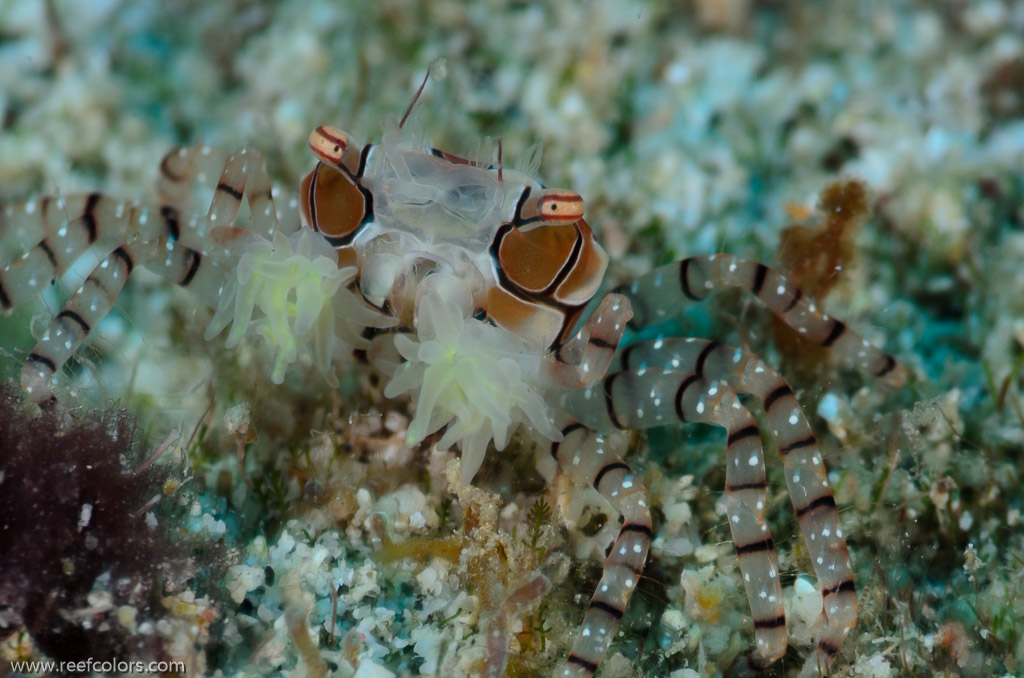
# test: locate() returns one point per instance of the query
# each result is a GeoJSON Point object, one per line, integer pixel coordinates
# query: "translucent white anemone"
{"type": "Point", "coordinates": [479, 380]}
{"type": "Point", "coordinates": [300, 293]}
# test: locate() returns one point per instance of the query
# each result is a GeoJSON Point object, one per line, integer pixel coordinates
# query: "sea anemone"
{"type": "Point", "coordinates": [296, 284]}
{"type": "Point", "coordinates": [480, 380]}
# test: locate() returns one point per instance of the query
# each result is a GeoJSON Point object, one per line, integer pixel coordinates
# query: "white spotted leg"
{"type": "Point", "coordinates": [97, 295]}
{"type": "Point", "coordinates": [238, 175]}
{"type": "Point", "coordinates": [181, 169]}
{"type": "Point", "coordinates": [583, 359]}
{"type": "Point", "coordinates": [69, 328]}
{"type": "Point", "coordinates": [663, 292]}
{"type": "Point", "coordinates": [24, 226]}
{"type": "Point", "coordinates": [644, 398]}
{"type": "Point", "coordinates": [586, 455]}
{"type": "Point", "coordinates": [803, 467]}
{"type": "Point", "coordinates": [56, 233]}
{"type": "Point", "coordinates": [41, 239]}
{"type": "Point", "coordinates": [53, 233]}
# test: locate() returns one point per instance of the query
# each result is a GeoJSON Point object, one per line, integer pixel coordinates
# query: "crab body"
{"type": "Point", "coordinates": [398, 209]}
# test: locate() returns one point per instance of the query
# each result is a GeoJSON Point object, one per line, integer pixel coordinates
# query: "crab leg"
{"type": "Point", "coordinates": [240, 174]}
{"type": "Point", "coordinates": [69, 328]}
{"type": "Point", "coordinates": [791, 433]}
{"type": "Point", "coordinates": [660, 295]}
{"type": "Point", "coordinates": [645, 398]}
{"type": "Point", "coordinates": [56, 233]}
{"type": "Point", "coordinates": [53, 233]}
{"type": "Point", "coordinates": [24, 226]}
{"type": "Point", "coordinates": [582, 360]}
{"type": "Point", "coordinates": [585, 454]}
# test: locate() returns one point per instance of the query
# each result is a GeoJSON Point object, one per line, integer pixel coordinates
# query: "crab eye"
{"type": "Point", "coordinates": [560, 206]}
{"type": "Point", "coordinates": [328, 144]}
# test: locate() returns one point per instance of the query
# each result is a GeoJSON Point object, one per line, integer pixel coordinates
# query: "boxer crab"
{"type": "Point", "coordinates": [465, 283]}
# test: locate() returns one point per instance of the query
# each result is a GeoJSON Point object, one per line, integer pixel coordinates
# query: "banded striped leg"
{"type": "Point", "coordinates": [805, 474]}
{"type": "Point", "coordinates": [56, 233]}
{"type": "Point", "coordinates": [62, 230]}
{"type": "Point", "coordinates": [645, 398]}
{"type": "Point", "coordinates": [239, 174]}
{"type": "Point", "coordinates": [59, 232]}
{"type": "Point", "coordinates": [585, 358]}
{"type": "Point", "coordinates": [23, 226]}
{"type": "Point", "coordinates": [663, 292]}
{"type": "Point", "coordinates": [184, 168]}
{"type": "Point", "coordinates": [583, 452]}
{"type": "Point", "coordinates": [65, 229]}
{"type": "Point", "coordinates": [69, 328]}
{"type": "Point", "coordinates": [177, 262]}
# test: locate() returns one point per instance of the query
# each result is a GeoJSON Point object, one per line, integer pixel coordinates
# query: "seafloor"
{"type": "Point", "coordinates": [329, 547]}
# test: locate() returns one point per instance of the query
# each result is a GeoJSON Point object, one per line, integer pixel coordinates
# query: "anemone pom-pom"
{"type": "Point", "coordinates": [480, 380]}
{"type": "Point", "coordinates": [299, 290]}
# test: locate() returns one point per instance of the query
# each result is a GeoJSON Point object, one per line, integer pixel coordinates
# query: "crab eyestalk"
{"type": "Point", "coordinates": [549, 207]}
{"type": "Point", "coordinates": [335, 148]}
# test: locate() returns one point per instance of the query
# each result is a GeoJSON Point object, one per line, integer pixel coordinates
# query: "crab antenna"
{"type": "Point", "coordinates": [415, 98]}
{"type": "Point", "coordinates": [500, 179]}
